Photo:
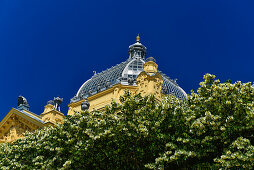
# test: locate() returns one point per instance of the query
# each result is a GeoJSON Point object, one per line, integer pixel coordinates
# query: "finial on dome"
{"type": "Point", "coordinates": [138, 38]}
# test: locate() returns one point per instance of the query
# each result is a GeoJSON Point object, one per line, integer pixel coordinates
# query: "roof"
{"type": "Point", "coordinates": [114, 75]}
{"type": "Point", "coordinates": [126, 74]}
{"type": "Point", "coordinates": [23, 113]}
{"type": "Point", "coordinates": [102, 80]}
{"type": "Point", "coordinates": [31, 115]}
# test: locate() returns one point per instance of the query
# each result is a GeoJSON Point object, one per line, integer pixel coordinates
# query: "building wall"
{"type": "Point", "coordinates": [101, 99]}
{"type": "Point", "coordinates": [17, 122]}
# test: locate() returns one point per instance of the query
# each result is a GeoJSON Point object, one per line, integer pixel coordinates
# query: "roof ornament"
{"type": "Point", "coordinates": [22, 103]}
{"type": "Point", "coordinates": [138, 38]}
{"type": "Point", "coordinates": [57, 102]}
{"type": "Point", "coordinates": [85, 105]}
{"type": "Point", "coordinates": [94, 73]}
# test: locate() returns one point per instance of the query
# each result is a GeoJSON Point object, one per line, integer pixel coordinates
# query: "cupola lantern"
{"type": "Point", "coordinates": [137, 50]}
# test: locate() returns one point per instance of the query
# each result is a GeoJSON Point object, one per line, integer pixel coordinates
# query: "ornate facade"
{"type": "Point", "coordinates": [137, 74]}
{"type": "Point", "coordinates": [19, 120]}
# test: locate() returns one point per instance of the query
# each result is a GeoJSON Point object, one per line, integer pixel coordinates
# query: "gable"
{"type": "Point", "coordinates": [16, 123]}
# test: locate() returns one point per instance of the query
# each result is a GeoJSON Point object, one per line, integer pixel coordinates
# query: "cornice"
{"type": "Point", "coordinates": [102, 93]}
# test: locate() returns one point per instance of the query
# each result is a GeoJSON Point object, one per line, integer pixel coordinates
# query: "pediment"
{"type": "Point", "coordinates": [14, 125]}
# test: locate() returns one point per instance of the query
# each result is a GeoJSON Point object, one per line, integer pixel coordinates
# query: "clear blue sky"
{"type": "Point", "coordinates": [50, 48]}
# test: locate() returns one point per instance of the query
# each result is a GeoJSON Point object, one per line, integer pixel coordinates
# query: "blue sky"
{"type": "Point", "coordinates": [50, 48]}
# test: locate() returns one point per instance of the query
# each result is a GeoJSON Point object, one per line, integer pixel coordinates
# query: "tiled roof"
{"type": "Point", "coordinates": [113, 75]}
{"type": "Point", "coordinates": [30, 115]}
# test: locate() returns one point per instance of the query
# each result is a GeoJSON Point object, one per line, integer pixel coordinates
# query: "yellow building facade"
{"type": "Point", "coordinates": [137, 74]}
{"type": "Point", "coordinates": [19, 120]}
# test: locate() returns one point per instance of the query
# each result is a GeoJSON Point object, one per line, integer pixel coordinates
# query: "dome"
{"type": "Point", "coordinates": [126, 74]}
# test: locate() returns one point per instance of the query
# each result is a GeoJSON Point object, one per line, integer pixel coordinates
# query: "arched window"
{"type": "Point", "coordinates": [133, 69]}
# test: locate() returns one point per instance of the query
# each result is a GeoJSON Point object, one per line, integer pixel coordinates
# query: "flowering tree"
{"type": "Point", "coordinates": [213, 129]}
{"type": "Point", "coordinates": [218, 128]}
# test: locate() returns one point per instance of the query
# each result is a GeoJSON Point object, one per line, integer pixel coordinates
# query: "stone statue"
{"type": "Point", "coordinates": [57, 102]}
{"type": "Point", "coordinates": [22, 103]}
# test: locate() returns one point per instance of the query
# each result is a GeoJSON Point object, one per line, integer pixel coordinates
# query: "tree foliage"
{"type": "Point", "coordinates": [212, 129]}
